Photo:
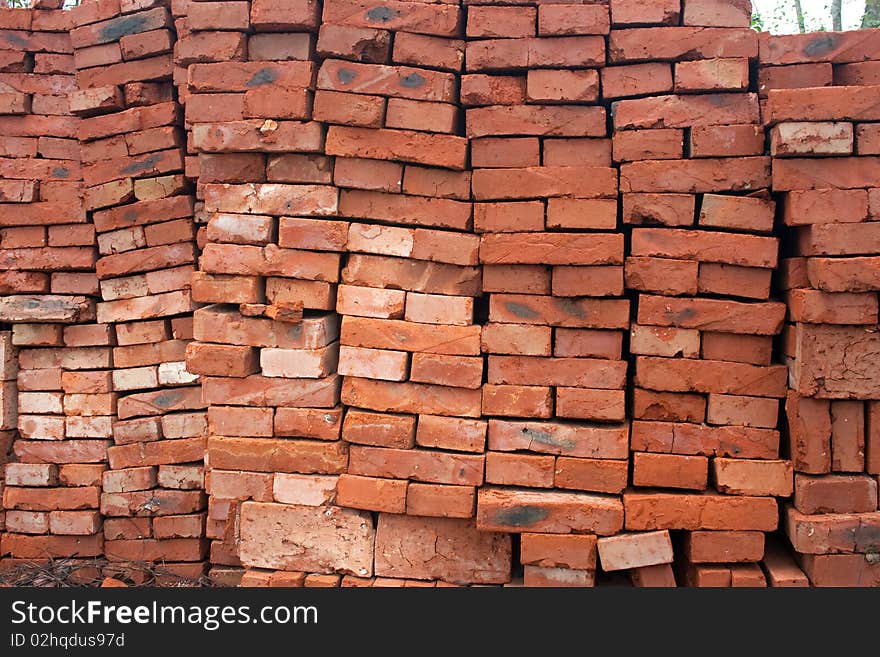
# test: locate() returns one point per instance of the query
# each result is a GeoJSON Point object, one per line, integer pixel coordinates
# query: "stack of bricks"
{"type": "Point", "coordinates": [142, 210]}
{"type": "Point", "coordinates": [66, 410]}
{"type": "Point", "coordinates": [8, 409]}
{"type": "Point", "coordinates": [348, 292]}
{"type": "Point", "coordinates": [694, 187]}
{"type": "Point", "coordinates": [545, 206]}
{"type": "Point", "coordinates": [410, 338]}
{"type": "Point", "coordinates": [825, 143]}
{"type": "Point", "coordinates": [47, 249]}
{"type": "Point", "coordinates": [392, 156]}
{"type": "Point", "coordinates": [268, 345]}
{"type": "Point", "coordinates": [46, 244]}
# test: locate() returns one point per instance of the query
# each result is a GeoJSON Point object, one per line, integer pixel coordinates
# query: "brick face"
{"type": "Point", "coordinates": [349, 293]}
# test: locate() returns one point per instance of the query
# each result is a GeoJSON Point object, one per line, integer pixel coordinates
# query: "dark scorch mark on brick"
{"type": "Point", "coordinates": [677, 317]}
{"type": "Point", "coordinates": [545, 438]}
{"type": "Point", "coordinates": [821, 45]}
{"type": "Point", "coordinates": [123, 27]}
{"type": "Point", "coordinates": [143, 165]}
{"type": "Point", "coordinates": [382, 14]}
{"type": "Point", "coordinates": [572, 308]}
{"type": "Point", "coordinates": [15, 39]}
{"type": "Point", "coordinates": [263, 76]}
{"type": "Point", "coordinates": [345, 75]}
{"type": "Point", "coordinates": [520, 310]}
{"type": "Point", "coordinates": [168, 399]}
{"type": "Point", "coordinates": [412, 80]}
{"type": "Point", "coordinates": [520, 516]}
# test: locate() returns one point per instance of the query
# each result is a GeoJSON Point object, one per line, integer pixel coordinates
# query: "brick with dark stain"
{"type": "Point", "coordinates": [679, 317]}
{"type": "Point", "coordinates": [821, 45]}
{"type": "Point", "coordinates": [521, 516]}
{"type": "Point", "coordinates": [15, 39]}
{"type": "Point", "coordinates": [144, 165]}
{"type": "Point", "coordinates": [168, 399]}
{"type": "Point", "coordinates": [382, 14]}
{"type": "Point", "coordinates": [123, 27]}
{"type": "Point", "coordinates": [345, 75]}
{"type": "Point", "coordinates": [261, 77]}
{"type": "Point", "coordinates": [572, 308]}
{"type": "Point", "coordinates": [412, 81]}
{"type": "Point", "coordinates": [61, 172]}
{"type": "Point", "coordinates": [545, 438]}
{"type": "Point", "coordinates": [520, 310]}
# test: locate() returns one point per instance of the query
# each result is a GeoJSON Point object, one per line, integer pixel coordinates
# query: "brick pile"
{"type": "Point", "coordinates": [268, 344]}
{"type": "Point", "coordinates": [139, 199]}
{"type": "Point", "coordinates": [825, 143]}
{"type": "Point", "coordinates": [545, 206]}
{"type": "Point", "coordinates": [393, 293]}
{"type": "Point", "coordinates": [46, 243]}
{"type": "Point", "coordinates": [695, 187]}
{"type": "Point", "coordinates": [47, 247]}
{"type": "Point", "coordinates": [8, 409]}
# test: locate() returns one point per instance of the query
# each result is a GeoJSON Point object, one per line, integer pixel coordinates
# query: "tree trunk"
{"type": "Point", "coordinates": [836, 15]}
{"type": "Point", "coordinates": [800, 16]}
{"type": "Point", "coordinates": [872, 14]}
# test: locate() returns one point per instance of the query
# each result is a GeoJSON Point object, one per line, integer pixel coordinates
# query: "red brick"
{"type": "Point", "coordinates": [492, 90]}
{"type": "Point", "coordinates": [744, 477]}
{"type": "Point", "coordinates": [519, 470]}
{"type": "Point", "coordinates": [439, 501]}
{"type": "Point", "coordinates": [446, 370]}
{"type": "Point", "coordinates": [745, 411]}
{"type": "Point", "coordinates": [538, 120]}
{"type": "Point", "coordinates": [830, 533]}
{"type": "Point", "coordinates": [658, 144]}
{"type": "Point", "coordinates": [388, 495]}
{"type": "Point", "coordinates": [696, 439]}
{"type": "Point", "coordinates": [324, 424]}
{"type": "Point", "coordinates": [651, 511]}
{"type": "Point", "coordinates": [724, 546]}
{"type": "Point", "coordinates": [835, 494]}
{"type": "Point", "coordinates": [578, 440]}
{"type": "Point", "coordinates": [360, 44]}
{"type": "Point", "coordinates": [536, 576]}
{"type": "Point", "coordinates": [442, 20]}
{"type": "Point", "coordinates": [423, 50]}
{"type": "Point", "coordinates": [670, 471]}
{"type": "Point", "coordinates": [712, 75]}
{"type": "Point", "coordinates": [689, 176]}
{"type": "Point", "coordinates": [336, 539]}
{"type": "Point", "coordinates": [503, 22]}
{"type": "Point", "coordinates": [420, 465]}
{"type": "Point", "coordinates": [410, 336]}
{"type": "Point", "coordinates": [663, 341]}
{"type": "Point", "coordinates": [457, 434]}
{"type": "Point", "coordinates": [668, 406]}
{"type": "Point", "coordinates": [560, 20]}
{"type": "Point", "coordinates": [411, 397]}
{"type": "Point", "coordinates": [847, 436]}
{"type": "Point", "coordinates": [680, 43]}
{"type": "Point", "coordinates": [548, 512]}
{"type": "Point", "coordinates": [434, 548]}
{"type": "Point", "coordinates": [635, 550]}
{"type": "Point", "coordinates": [726, 141]}
{"type": "Point", "coordinates": [576, 551]}
{"type": "Point", "coordinates": [409, 146]}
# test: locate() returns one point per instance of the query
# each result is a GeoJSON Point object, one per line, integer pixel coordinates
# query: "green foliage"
{"type": "Point", "coordinates": [757, 21]}
{"type": "Point", "coordinates": [872, 14]}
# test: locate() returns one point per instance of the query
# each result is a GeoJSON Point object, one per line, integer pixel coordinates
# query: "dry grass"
{"type": "Point", "coordinates": [56, 573]}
